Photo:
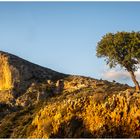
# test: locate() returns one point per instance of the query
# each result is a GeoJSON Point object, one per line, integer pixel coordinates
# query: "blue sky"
{"type": "Point", "coordinates": [63, 35]}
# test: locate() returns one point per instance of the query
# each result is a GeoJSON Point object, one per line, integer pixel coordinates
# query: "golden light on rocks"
{"type": "Point", "coordinates": [5, 74]}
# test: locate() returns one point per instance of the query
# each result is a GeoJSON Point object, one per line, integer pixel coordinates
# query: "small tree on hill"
{"type": "Point", "coordinates": [121, 48]}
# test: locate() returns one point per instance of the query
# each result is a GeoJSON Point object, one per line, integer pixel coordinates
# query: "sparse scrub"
{"type": "Point", "coordinates": [107, 111]}
{"type": "Point", "coordinates": [117, 117]}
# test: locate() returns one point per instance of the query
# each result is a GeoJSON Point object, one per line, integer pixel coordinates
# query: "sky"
{"type": "Point", "coordinates": [63, 35]}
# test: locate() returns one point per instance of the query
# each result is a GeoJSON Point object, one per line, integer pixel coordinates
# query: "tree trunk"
{"type": "Point", "coordinates": [135, 81]}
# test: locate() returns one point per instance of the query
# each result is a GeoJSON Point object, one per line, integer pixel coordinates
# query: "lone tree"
{"type": "Point", "coordinates": [121, 48]}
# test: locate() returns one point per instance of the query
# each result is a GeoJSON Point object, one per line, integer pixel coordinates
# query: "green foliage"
{"type": "Point", "coordinates": [121, 48]}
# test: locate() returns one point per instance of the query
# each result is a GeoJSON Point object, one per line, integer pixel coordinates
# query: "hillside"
{"type": "Point", "coordinates": [37, 102]}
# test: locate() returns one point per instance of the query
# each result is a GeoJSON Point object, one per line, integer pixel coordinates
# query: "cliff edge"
{"type": "Point", "coordinates": [17, 75]}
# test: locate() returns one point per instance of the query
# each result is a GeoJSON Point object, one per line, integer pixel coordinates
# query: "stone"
{"type": "Point", "coordinates": [59, 86]}
{"type": "Point", "coordinates": [5, 74]}
{"type": "Point", "coordinates": [17, 75]}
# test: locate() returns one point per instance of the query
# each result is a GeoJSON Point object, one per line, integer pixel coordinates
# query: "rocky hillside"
{"type": "Point", "coordinates": [18, 75]}
{"type": "Point", "coordinates": [36, 102]}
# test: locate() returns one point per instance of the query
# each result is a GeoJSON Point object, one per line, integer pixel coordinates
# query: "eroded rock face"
{"type": "Point", "coordinates": [5, 74]}
{"type": "Point", "coordinates": [17, 75]}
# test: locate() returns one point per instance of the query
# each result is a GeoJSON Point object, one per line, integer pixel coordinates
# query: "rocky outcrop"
{"type": "Point", "coordinates": [17, 74]}
{"type": "Point", "coordinates": [5, 73]}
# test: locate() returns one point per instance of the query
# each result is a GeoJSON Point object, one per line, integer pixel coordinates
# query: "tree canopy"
{"type": "Point", "coordinates": [121, 48]}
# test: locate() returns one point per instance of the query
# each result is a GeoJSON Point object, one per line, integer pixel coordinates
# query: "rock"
{"type": "Point", "coordinates": [42, 96]}
{"type": "Point", "coordinates": [17, 74]}
{"type": "Point", "coordinates": [59, 86]}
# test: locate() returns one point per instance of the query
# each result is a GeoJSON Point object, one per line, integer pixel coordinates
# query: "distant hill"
{"type": "Point", "coordinates": [37, 102]}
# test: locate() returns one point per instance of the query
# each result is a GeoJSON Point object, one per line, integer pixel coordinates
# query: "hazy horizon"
{"type": "Point", "coordinates": [63, 35]}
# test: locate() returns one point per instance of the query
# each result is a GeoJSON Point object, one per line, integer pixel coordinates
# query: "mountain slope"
{"type": "Point", "coordinates": [40, 103]}
{"type": "Point", "coordinates": [17, 75]}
